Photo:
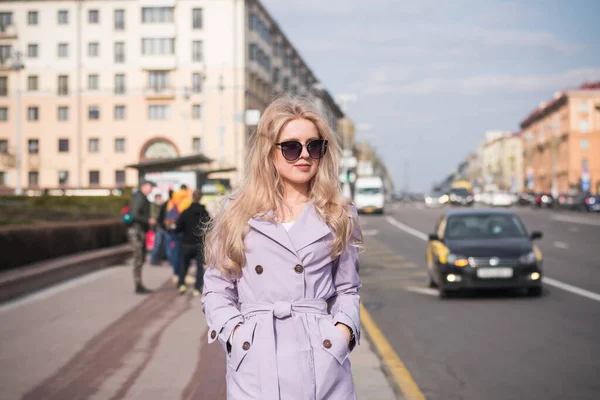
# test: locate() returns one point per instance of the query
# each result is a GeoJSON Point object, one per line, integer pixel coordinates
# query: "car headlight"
{"type": "Point", "coordinates": [458, 260]}
{"type": "Point", "coordinates": [529, 258]}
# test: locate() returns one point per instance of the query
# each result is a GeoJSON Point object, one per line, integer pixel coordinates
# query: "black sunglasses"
{"type": "Point", "coordinates": [292, 149]}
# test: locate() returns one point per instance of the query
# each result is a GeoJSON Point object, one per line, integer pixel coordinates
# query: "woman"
{"type": "Point", "coordinates": [285, 250]}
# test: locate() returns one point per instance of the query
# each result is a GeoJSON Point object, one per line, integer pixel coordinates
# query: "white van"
{"type": "Point", "coordinates": [369, 194]}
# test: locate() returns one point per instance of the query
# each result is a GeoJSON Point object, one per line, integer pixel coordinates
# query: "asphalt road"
{"type": "Point", "coordinates": [489, 345]}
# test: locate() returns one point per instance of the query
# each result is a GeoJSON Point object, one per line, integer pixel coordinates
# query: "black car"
{"type": "Point", "coordinates": [461, 197]}
{"type": "Point", "coordinates": [481, 248]}
{"type": "Point", "coordinates": [543, 200]}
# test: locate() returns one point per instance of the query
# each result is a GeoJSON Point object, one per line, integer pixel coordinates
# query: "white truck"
{"type": "Point", "coordinates": [369, 194]}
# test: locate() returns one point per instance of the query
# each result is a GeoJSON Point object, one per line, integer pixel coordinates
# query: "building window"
{"type": "Point", "coordinates": [32, 50]}
{"type": "Point", "coordinates": [197, 82]}
{"type": "Point", "coordinates": [94, 178]}
{"type": "Point", "coordinates": [120, 177]}
{"type": "Point", "coordinates": [63, 113]}
{"type": "Point", "coordinates": [120, 112]}
{"type": "Point", "coordinates": [93, 112]}
{"type": "Point", "coordinates": [584, 125]}
{"type": "Point", "coordinates": [2, 178]}
{"type": "Point", "coordinates": [63, 50]}
{"type": "Point", "coordinates": [252, 52]}
{"type": "Point", "coordinates": [33, 178]}
{"type": "Point", "coordinates": [6, 18]}
{"type": "Point", "coordinates": [5, 53]}
{"type": "Point", "coordinates": [33, 146]}
{"type": "Point", "coordinates": [158, 46]}
{"type": "Point", "coordinates": [119, 20]}
{"type": "Point", "coordinates": [583, 107]}
{"type": "Point", "coordinates": [3, 85]}
{"type": "Point", "coordinates": [158, 80]}
{"type": "Point", "coordinates": [93, 49]}
{"type": "Point", "coordinates": [286, 84]}
{"type": "Point", "coordinates": [119, 52]}
{"type": "Point", "coordinates": [63, 145]}
{"type": "Point", "coordinates": [3, 146]}
{"type": "Point", "coordinates": [63, 17]}
{"type": "Point", "coordinates": [120, 145]}
{"type": "Point", "coordinates": [197, 54]}
{"type": "Point", "coordinates": [3, 113]}
{"type": "Point", "coordinates": [276, 75]}
{"type": "Point", "coordinates": [196, 145]}
{"type": "Point", "coordinates": [63, 85]}
{"type": "Point", "coordinates": [93, 16]}
{"type": "Point", "coordinates": [120, 84]}
{"type": "Point", "coordinates": [93, 145]}
{"type": "Point", "coordinates": [32, 18]}
{"type": "Point", "coordinates": [584, 164]}
{"type": "Point", "coordinates": [159, 111]}
{"type": "Point", "coordinates": [63, 178]}
{"type": "Point", "coordinates": [584, 144]}
{"type": "Point", "coordinates": [93, 82]}
{"type": "Point", "coordinates": [277, 49]}
{"type": "Point", "coordinates": [197, 18]}
{"type": "Point", "coordinates": [33, 114]}
{"type": "Point", "coordinates": [32, 83]}
{"type": "Point", "coordinates": [153, 15]}
{"type": "Point", "coordinates": [196, 111]}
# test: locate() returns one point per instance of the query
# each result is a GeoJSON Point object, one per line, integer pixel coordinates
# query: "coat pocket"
{"type": "Point", "coordinates": [333, 340]}
{"type": "Point", "coordinates": [241, 343]}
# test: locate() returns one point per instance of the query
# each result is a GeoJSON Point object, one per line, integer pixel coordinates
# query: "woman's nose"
{"type": "Point", "coordinates": [304, 155]}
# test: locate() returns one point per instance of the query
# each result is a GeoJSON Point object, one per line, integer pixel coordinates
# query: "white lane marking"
{"type": "Point", "coordinates": [546, 280]}
{"type": "Point", "coordinates": [55, 289]}
{"type": "Point", "coordinates": [422, 290]}
{"type": "Point", "coordinates": [561, 245]}
{"type": "Point", "coordinates": [571, 288]}
{"type": "Point", "coordinates": [370, 232]}
{"type": "Point", "coordinates": [577, 220]}
{"type": "Point", "coordinates": [407, 229]}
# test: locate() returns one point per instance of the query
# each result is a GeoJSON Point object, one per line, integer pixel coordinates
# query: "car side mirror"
{"type": "Point", "coordinates": [536, 235]}
{"type": "Point", "coordinates": [433, 236]}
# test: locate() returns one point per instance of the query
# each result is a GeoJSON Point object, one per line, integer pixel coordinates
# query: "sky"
{"type": "Point", "coordinates": [431, 76]}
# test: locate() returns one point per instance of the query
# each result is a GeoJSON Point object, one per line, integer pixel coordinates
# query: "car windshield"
{"type": "Point", "coordinates": [369, 191]}
{"type": "Point", "coordinates": [484, 226]}
{"type": "Point", "coordinates": [460, 192]}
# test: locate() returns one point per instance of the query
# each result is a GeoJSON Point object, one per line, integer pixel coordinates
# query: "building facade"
{"type": "Point", "coordinates": [561, 143]}
{"type": "Point", "coordinates": [502, 160]}
{"type": "Point", "coordinates": [103, 84]}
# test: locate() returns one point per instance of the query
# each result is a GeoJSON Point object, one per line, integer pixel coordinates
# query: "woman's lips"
{"type": "Point", "coordinates": [302, 167]}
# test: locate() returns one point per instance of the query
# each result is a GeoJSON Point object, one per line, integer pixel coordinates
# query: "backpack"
{"type": "Point", "coordinates": [126, 215]}
{"type": "Point", "coordinates": [171, 216]}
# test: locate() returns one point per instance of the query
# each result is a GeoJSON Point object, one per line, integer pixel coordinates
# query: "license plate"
{"type": "Point", "coordinates": [369, 209]}
{"type": "Point", "coordinates": [494, 273]}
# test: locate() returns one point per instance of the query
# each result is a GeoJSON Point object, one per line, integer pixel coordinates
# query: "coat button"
{"type": "Point", "coordinates": [327, 343]}
{"type": "Point", "coordinates": [259, 269]}
{"type": "Point", "coordinates": [298, 268]}
{"type": "Point", "coordinates": [246, 346]}
{"type": "Point", "coordinates": [213, 334]}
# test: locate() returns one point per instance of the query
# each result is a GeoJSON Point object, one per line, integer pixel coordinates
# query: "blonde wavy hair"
{"type": "Point", "coordinates": [261, 190]}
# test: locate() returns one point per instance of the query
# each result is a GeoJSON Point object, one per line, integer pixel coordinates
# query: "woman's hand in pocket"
{"type": "Point", "coordinates": [345, 330]}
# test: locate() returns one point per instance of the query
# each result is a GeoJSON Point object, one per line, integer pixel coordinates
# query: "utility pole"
{"type": "Point", "coordinates": [18, 66]}
{"type": "Point", "coordinates": [221, 128]}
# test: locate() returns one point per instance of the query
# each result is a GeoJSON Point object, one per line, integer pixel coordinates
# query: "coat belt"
{"type": "Point", "coordinates": [268, 360]}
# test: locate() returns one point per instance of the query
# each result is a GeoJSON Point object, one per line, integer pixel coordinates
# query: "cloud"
{"type": "Point", "coordinates": [482, 84]}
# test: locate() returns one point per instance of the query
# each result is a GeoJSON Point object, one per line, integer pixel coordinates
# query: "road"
{"type": "Point", "coordinates": [491, 345]}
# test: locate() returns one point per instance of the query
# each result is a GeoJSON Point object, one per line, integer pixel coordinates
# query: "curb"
{"type": "Point", "coordinates": [27, 279]}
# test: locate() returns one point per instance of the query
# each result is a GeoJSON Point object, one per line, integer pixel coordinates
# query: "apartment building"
{"type": "Point", "coordinates": [502, 160]}
{"type": "Point", "coordinates": [561, 142]}
{"type": "Point", "coordinates": [92, 86]}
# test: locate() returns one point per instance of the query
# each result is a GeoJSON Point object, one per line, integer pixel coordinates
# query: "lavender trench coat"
{"type": "Point", "coordinates": [290, 295]}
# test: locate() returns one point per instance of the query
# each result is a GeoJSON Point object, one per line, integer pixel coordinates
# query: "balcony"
{"type": "Point", "coordinates": [159, 93]}
{"type": "Point", "coordinates": [158, 62]}
{"type": "Point", "coordinates": [8, 32]}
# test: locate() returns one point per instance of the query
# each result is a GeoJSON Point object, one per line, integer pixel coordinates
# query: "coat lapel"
{"type": "Point", "coordinates": [308, 228]}
{"type": "Point", "coordinates": [273, 230]}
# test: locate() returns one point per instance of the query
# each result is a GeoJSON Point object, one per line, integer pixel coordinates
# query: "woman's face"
{"type": "Point", "coordinates": [303, 169]}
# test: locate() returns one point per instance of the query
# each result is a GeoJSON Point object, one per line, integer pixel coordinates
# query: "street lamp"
{"type": "Point", "coordinates": [18, 66]}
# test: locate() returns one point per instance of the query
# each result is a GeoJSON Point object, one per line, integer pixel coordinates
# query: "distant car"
{"type": "Point", "coordinates": [590, 202]}
{"type": "Point", "coordinates": [502, 199]}
{"type": "Point", "coordinates": [543, 200]}
{"type": "Point", "coordinates": [461, 197]}
{"type": "Point", "coordinates": [436, 199]}
{"type": "Point", "coordinates": [526, 198]}
{"type": "Point", "coordinates": [479, 248]}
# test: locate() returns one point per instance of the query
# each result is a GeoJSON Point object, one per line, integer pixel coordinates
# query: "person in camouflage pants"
{"type": "Point", "coordinates": [140, 213]}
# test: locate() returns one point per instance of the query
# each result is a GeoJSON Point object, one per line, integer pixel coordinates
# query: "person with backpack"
{"type": "Point", "coordinates": [179, 201]}
{"type": "Point", "coordinates": [191, 225]}
{"type": "Point", "coordinates": [139, 212]}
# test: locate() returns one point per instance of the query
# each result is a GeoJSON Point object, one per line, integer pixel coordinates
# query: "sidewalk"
{"type": "Point", "coordinates": [93, 338]}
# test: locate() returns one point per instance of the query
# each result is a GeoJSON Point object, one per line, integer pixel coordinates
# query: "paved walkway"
{"type": "Point", "coordinates": [92, 338]}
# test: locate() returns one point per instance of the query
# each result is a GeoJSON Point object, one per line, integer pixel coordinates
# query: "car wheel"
{"type": "Point", "coordinates": [535, 291]}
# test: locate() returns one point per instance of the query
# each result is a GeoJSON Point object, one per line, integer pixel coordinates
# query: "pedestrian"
{"type": "Point", "coordinates": [281, 286]}
{"type": "Point", "coordinates": [191, 226]}
{"type": "Point", "coordinates": [179, 201]}
{"type": "Point", "coordinates": [141, 221]}
{"type": "Point", "coordinates": [159, 229]}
